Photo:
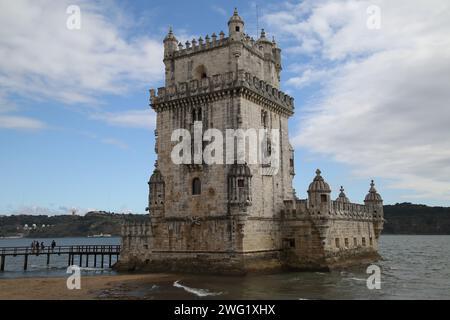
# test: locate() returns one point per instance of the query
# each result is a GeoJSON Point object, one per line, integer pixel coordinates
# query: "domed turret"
{"type": "Point", "coordinates": [156, 192]}
{"type": "Point", "coordinates": [235, 26]}
{"type": "Point", "coordinates": [319, 184]}
{"type": "Point", "coordinates": [342, 197]}
{"type": "Point", "coordinates": [170, 44]}
{"type": "Point", "coordinates": [319, 194]}
{"type": "Point", "coordinates": [373, 197]}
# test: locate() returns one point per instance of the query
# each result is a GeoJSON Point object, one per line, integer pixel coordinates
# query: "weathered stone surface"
{"type": "Point", "coordinates": [235, 227]}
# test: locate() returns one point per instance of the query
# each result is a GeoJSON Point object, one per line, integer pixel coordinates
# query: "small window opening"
{"type": "Point", "coordinates": [196, 186]}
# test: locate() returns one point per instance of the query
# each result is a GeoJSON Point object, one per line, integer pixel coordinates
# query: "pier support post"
{"type": "Point", "coordinates": [87, 260]}
{"type": "Point", "coordinates": [2, 265]}
{"type": "Point", "coordinates": [25, 262]}
{"type": "Point", "coordinates": [95, 260]}
{"type": "Point", "coordinates": [102, 262]}
{"type": "Point", "coordinates": [81, 260]}
{"type": "Point", "coordinates": [110, 260]}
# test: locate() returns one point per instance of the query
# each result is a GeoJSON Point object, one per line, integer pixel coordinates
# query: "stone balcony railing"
{"type": "Point", "coordinates": [220, 82]}
{"type": "Point", "coordinates": [336, 210]}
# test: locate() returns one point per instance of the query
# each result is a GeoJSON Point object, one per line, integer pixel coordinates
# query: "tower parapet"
{"type": "Point", "coordinates": [218, 85]}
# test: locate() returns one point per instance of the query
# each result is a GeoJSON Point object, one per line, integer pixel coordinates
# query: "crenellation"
{"type": "Point", "coordinates": [218, 82]}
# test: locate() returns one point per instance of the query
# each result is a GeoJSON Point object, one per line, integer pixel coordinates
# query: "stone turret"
{"type": "Point", "coordinates": [276, 52]}
{"type": "Point", "coordinates": [170, 44]}
{"type": "Point", "coordinates": [373, 198]}
{"type": "Point", "coordinates": [156, 193]}
{"type": "Point", "coordinates": [265, 44]}
{"type": "Point", "coordinates": [375, 202]}
{"type": "Point", "coordinates": [319, 195]}
{"type": "Point", "coordinates": [235, 27]}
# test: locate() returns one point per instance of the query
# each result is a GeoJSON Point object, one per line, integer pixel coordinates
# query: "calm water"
{"type": "Point", "coordinates": [413, 267]}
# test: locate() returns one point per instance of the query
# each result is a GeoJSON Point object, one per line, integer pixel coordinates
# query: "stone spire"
{"type": "Point", "coordinates": [342, 197]}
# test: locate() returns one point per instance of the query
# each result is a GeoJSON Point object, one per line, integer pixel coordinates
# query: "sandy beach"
{"type": "Point", "coordinates": [92, 287]}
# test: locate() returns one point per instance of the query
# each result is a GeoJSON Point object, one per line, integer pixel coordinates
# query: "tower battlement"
{"type": "Point", "coordinates": [242, 81]}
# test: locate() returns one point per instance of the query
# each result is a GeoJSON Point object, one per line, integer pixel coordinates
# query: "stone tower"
{"type": "Point", "coordinates": [240, 215]}
{"type": "Point", "coordinates": [218, 212]}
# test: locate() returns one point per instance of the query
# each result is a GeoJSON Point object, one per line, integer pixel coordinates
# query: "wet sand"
{"type": "Point", "coordinates": [92, 287]}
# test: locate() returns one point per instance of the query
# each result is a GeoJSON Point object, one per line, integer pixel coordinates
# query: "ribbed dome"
{"type": "Point", "coordinates": [240, 170]}
{"type": "Point", "coordinates": [318, 184]}
{"type": "Point", "coordinates": [373, 195]}
{"type": "Point", "coordinates": [342, 197]}
{"type": "Point", "coordinates": [170, 36]}
{"type": "Point", "coordinates": [235, 18]}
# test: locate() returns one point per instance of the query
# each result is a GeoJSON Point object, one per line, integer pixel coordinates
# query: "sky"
{"type": "Point", "coordinates": [371, 82]}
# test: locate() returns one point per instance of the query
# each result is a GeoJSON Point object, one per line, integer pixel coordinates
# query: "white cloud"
{"type": "Point", "coordinates": [41, 58]}
{"type": "Point", "coordinates": [383, 107]}
{"type": "Point", "coordinates": [20, 123]}
{"type": "Point", "coordinates": [115, 142]}
{"type": "Point", "coordinates": [145, 119]}
{"type": "Point", "coordinates": [50, 210]}
{"type": "Point", "coordinates": [219, 10]}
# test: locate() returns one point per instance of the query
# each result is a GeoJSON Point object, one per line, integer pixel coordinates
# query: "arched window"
{"type": "Point", "coordinates": [196, 186]}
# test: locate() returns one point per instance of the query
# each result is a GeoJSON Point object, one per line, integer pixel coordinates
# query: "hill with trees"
{"type": "Point", "coordinates": [401, 218]}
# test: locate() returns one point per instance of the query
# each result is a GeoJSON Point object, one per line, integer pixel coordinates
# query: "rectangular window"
{"type": "Point", "coordinates": [370, 241]}
{"type": "Point", "coordinates": [364, 242]}
{"type": "Point", "coordinates": [346, 242]}
{"type": "Point", "coordinates": [337, 243]}
{"type": "Point", "coordinates": [323, 198]}
{"type": "Point", "coordinates": [241, 183]}
{"type": "Point", "coordinates": [355, 242]}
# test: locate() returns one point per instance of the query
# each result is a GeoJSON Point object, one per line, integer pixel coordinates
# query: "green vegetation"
{"type": "Point", "coordinates": [93, 223]}
{"type": "Point", "coordinates": [401, 218]}
{"type": "Point", "coordinates": [408, 218]}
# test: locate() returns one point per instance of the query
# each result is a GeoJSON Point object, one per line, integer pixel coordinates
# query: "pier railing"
{"type": "Point", "coordinates": [81, 251]}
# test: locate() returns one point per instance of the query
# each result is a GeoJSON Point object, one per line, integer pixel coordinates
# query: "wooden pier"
{"type": "Point", "coordinates": [72, 252]}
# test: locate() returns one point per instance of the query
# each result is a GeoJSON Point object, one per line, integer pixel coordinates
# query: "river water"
{"type": "Point", "coordinates": [413, 267]}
